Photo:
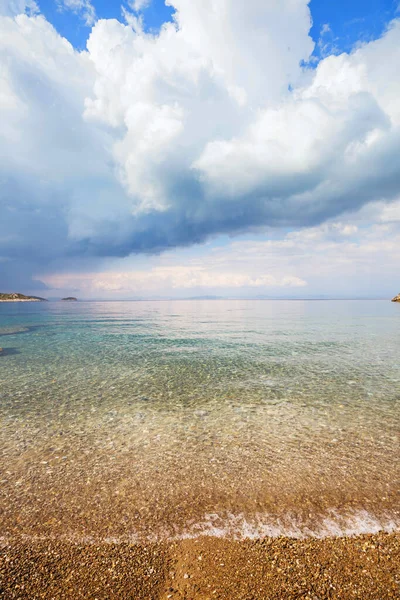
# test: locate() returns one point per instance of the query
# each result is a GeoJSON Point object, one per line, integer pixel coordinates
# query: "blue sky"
{"type": "Point", "coordinates": [350, 22]}
{"type": "Point", "coordinates": [249, 149]}
{"type": "Point", "coordinates": [71, 25]}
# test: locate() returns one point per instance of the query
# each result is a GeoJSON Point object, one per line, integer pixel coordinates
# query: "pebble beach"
{"type": "Point", "coordinates": [205, 450]}
{"type": "Point", "coordinates": [199, 307]}
{"type": "Point", "coordinates": [364, 567]}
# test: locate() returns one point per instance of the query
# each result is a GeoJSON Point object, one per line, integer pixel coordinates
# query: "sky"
{"type": "Point", "coordinates": [200, 148]}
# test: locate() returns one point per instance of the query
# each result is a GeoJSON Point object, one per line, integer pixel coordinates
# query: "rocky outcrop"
{"type": "Point", "coordinates": [69, 299]}
{"type": "Point", "coordinates": [14, 297]}
{"type": "Point", "coordinates": [396, 298]}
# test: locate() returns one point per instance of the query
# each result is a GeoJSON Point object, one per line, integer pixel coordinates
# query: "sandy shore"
{"type": "Point", "coordinates": [363, 567]}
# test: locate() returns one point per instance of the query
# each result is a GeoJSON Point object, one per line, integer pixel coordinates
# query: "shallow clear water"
{"type": "Point", "coordinates": [151, 419]}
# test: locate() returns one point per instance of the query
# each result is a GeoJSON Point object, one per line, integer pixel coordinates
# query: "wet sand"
{"type": "Point", "coordinates": [363, 567]}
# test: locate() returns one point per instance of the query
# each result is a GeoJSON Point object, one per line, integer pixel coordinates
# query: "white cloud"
{"type": "Point", "coordinates": [161, 279]}
{"type": "Point", "coordinates": [10, 8]}
{"type": "Point", "coordinates": [84, 8]}
{"type": "Point", "coordinates": [147, 142]}
{"type": "Point", "coordinates": [227, 118]}
{"type": "Point", "coordinates": [196, 79]}
{"type": "Point", "coordinates": [138, 5]}
{"type": "Point", "coordinates": [327, 130]}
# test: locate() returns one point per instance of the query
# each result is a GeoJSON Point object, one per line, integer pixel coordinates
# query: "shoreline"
{"type": "Point", "coordinates": [363, 567]}
{"type": "Point", "coordinates": [23, 300]}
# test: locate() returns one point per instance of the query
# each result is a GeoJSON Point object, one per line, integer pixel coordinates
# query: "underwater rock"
{"type": "Point", "coordinates": [13, 330]}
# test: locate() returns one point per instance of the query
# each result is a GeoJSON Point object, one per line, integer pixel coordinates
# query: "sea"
{"type": "Point", "coordinates": [160, 420]}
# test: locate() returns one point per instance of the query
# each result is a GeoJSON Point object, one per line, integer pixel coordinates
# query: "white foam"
{"type": "Point", "coordinates": [334, 524]}
{"type": "Point", "coordinates": [240, 527]}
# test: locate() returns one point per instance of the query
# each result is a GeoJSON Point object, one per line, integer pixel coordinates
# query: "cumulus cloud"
{"type": "Point", "coordinates": [147, 142]}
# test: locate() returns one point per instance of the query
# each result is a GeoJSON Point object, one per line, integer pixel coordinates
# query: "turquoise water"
{"type": "Point", "coordinates": [131, 419]}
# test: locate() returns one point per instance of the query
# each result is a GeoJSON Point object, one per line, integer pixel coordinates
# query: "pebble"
{"type": "Point", "coordinates": [364, 567]}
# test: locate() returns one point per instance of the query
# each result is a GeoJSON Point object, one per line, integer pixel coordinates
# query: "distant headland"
{"type": "Point", "coordinates": [396, 298]}
{"type": "Point", "coordinates": [69, 299]}
{"type": "Point", "coordinates": [14, 297]}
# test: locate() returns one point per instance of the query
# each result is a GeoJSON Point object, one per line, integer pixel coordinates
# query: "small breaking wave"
{"type": "Point", "coordinates": [240, 528]}
{"type": "Point", "coordinates": [333, 524]}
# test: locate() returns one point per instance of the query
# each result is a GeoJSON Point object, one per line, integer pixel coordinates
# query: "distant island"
{"type": "Point", "coordinates": [69, 299]}
{"type": "Point", "coordinates": [396, 298]}
{"type": "Point", "coordinates": [20, 298]}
